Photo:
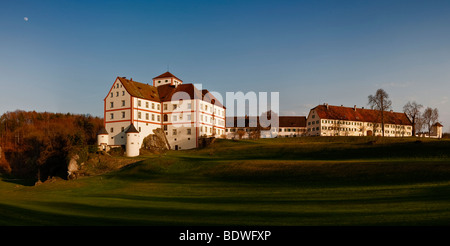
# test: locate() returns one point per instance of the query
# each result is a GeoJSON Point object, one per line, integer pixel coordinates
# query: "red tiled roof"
{"type": "Point", "coordinates": [360, 114]}
{"type": "Point", "coordinates": [167, 75]}
{"type": "Point", "coordinates": [292, 121]}
{"type": "Point", "coordinates": [437, 124]}
{"type": "Point", "coordinates": [165, 92]}
{"type": "Point", "coordinates": [140, 90]}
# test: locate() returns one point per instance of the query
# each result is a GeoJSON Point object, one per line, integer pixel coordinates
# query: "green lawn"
{"type": "Point", "coordinates": [302, 181]}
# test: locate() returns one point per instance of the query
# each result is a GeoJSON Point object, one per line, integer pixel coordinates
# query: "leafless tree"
{"type": "Point", "coordinates": [412, 110]}
{"type": "Point", "coordinates": [430, 116]}
{"type": "Point", "coordinates": [419, 124]}
{"type": "Point", "coordinates": [380, 101]}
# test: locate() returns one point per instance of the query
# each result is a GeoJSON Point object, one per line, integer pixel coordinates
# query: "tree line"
{"type": "Point", "coordinates": [421, 120]}
{"type": "Point", "coordinates": [37, 144]}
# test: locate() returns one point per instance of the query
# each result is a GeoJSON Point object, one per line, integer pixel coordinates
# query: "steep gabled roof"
{"type": "Point", "coordinates": [167, 75]}
{"type": "Point", "coordinates": [141, 90]}
{"type": "Point", "coordinates": [164, 93]}
{"type": "Point", "coordinates": [360, 114]}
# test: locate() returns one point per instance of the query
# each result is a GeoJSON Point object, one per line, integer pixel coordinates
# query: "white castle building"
{"type": "Point", "coordinates": [132, 110]}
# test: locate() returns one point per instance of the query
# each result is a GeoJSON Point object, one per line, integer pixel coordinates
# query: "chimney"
{"type": "Point", "coordinates": [326, 104]}
{"type": "Point", "coordinates": [362, 107]}
{"type": "Point", "coordinates": [354, 107]}
{"type": "Point", "coordinates": [131, 79]}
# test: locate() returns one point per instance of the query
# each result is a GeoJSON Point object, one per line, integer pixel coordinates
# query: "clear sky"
{"type": "Point", "coordinates": [63, 56]}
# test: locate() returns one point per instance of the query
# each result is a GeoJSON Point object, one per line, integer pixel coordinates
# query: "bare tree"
{"type": "Point", "coordinates": [419, 124]}
{"type": "Point", "coordinates": [412, 110]}
{"type": "Point", "coordinates": [380, 101]}
{"type": "Point", "coordinates": [430, 116]}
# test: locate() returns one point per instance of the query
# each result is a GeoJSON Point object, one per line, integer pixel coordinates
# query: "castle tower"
{"type": "Point", "coordinates": [166, 78]}
{"type": "Point", "coordinates": [132, 146]}
{"type": "Point", "coordinates": [102, 139]}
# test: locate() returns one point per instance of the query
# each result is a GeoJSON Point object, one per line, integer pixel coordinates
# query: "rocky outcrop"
{"type": "Point", "coordinates": [73, 167]}
{"type": "Point", "coordinates": [156, 142]}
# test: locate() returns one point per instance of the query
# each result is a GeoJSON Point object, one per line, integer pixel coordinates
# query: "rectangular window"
{"type": "Point", "coordinates": [123, 93]}
{"type": "Point", "coordinates": [146, 116]}
{"type": "Point", "coordinates": [112, 105]}
{"type": "Point", "coordinates": [139, 103]}
{"type": "Point", "coordinates": [165, 106]}
{"type": "Point", "coordinates": [112, 116]}
{"type": "Point", "coordinates": [153, 117]}
{"type": "Point", "coordinates": [188, 117]}
{"type": "Point", "coordinates": [174, 118]}
{"type": "Point", "coordinates": [165, 127]}
{"type": "Point", "coordinates": [188, 131]}
{"type": "Point", "coordinates": [123, 128]}
{"type": "Point", "coordinates": [123, 103]}
{"type": "Point", "coordinates": [174, 106]}
{"type": "Point", "coordinates": [159, 118]}
{"type": "Point", "coordinates": [139, 115]}
{"type": "Point", "coordinates": [123, 115]}
{"type": "Point", "coordinates": [146, 104]}
{"type": "Point", "coordinates": [153, 106]}
{"type": "Point", "coordinates": [112, 94]}
{"type": "Point", "coordinates": [174, 132]}
{"type": "Point", "coordinates": [189, 106]}
{"type": "Point", "coordinates": [112, 130]}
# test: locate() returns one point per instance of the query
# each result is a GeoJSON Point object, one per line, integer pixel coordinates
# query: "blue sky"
{"type": "Point", "coordinates": [68, 53]}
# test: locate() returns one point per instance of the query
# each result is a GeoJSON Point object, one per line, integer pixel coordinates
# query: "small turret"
{"type": "Point", "coordinates": [102, 139]}
{"type": "Point", "coordinates": [132, 146]}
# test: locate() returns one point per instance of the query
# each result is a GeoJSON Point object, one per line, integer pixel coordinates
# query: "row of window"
{"type": "Point", "coordinates": [357, 124]}
{"type": "Point", "coordinates": [292, 129]}
{"type": "Point", "coordinates": [117, 93]}
{"type": "Point", "coordinates": [203, 129]}
{"type": "Point", "coordinates": [212, 109]}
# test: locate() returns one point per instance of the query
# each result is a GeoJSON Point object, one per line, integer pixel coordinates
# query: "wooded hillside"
{"type": "Point", "coordinates": [35, 143]}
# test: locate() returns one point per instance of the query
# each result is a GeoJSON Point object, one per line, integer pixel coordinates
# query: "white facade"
{"type": "Point", "coordinates": [436, 131]}
{"type": "Point", "coordinates": [323, 126]}
{"type": "Point", "coordinates": [183, 121]}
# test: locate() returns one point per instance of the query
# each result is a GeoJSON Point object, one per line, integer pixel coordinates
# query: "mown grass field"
{"type": "Point", "coordinates": [267, 182]}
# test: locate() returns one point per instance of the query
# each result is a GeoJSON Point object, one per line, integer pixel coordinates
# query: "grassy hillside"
{"type": "Point", "coordinates": [301, 181]}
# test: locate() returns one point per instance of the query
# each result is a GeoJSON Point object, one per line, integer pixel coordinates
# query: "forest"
{"type": "Point", "coordinates": [39, 144]}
